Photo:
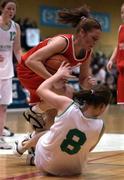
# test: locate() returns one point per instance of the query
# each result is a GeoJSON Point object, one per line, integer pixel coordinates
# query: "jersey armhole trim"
{"type": "Point", "coordinates": [65, 109]}
{"type": "Point", "coordinates": [67, 44]}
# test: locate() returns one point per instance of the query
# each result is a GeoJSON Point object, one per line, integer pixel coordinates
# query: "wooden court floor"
{"type": "Point", "coordinates": [101, 165]}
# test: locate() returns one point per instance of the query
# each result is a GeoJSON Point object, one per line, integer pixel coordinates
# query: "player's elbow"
{"type": "Point", "coordinates": [39, 90]}
{"type": "Point", "coordinates": [29, 62]}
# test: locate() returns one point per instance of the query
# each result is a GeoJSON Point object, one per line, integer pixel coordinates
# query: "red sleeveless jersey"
{"type": "Point", "coordinates": [68, 52]}
{"type": "Point", "coordinates": [120, 49]}
{"type": "Point", "coordinates": [30, 80]}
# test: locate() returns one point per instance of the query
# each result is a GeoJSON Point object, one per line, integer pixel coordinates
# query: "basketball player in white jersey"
{"type": "Point", "coordinates": [9, 43]}
{"type": "Point", "coordinates": [64, 149]}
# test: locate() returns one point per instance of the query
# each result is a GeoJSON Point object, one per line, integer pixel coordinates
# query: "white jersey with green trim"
{"type": "Point", "coordinates": [64, 149]}
{"type": "Point", "coordinates": [6, 50]}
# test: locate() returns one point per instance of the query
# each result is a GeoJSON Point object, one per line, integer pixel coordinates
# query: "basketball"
{"type": "Point", "coordinates": [53, 63]}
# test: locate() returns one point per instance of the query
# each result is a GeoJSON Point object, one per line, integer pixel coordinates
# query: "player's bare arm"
{"type": "Point", "coordinates": [45, 90]}
{"type": "Point", "coordinates": [86, 80]}
{"type": "Point", "coordinates": [17, 44]}
{"type": "Point", "coordinates": [36, 61]}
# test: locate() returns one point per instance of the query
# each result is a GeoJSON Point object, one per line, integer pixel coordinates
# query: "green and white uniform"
{"type": "Point", "coordinates": [7, 38]}
{"type": "Point", "coordinates": [64, 149]}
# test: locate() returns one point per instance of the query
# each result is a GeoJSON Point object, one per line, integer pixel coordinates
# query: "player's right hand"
{"type": "Point", "coordinates": [109, 65]}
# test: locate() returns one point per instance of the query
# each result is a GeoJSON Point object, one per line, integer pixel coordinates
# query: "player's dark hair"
{"type": "Point", "coordinates": [79, 18]}
{"type": "Point", "coordinates": [99, 94]}
{"type": "Point", "coordinates": [122, 5]}
{"type": "Point", "coordinates": [3, 3]}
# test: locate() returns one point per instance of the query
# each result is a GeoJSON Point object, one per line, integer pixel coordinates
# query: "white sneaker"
{"type": "Point", "coordinates": [7, 132]}
{"type": "Point", "coordinates": [18, 148]}
{"type": "Point", "coordinates": [4, 144]}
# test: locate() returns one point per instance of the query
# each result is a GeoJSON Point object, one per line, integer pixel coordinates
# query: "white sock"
{"type": "Point", "coordinates": [37, 109]}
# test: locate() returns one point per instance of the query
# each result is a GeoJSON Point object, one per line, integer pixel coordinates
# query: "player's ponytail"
{"type": "Point", "coordinates": [79, 18]}
{"type": "Point", "coordinates": [73, 16]}
{"type": "Point", "coordinates": [99, 94]}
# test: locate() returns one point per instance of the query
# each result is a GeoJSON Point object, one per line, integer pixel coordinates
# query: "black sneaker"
{"type": "Point", "coordinates": [37, 120]}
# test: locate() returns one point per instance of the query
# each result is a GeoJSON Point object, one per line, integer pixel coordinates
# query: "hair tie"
{"type": "Point", "coordinates": [83, 18]}
{"type": "Point", "coordinates": [92, 91]}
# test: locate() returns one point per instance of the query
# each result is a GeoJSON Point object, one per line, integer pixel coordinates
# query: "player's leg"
{"type": "Point", "coordinates": [5, 99]}
{"type": "Point", "coordinates": [40, 116]}
{"type": "Point", "coordinates": [120, 89]}
{"type": "Point", "coordinates": [27, 143]}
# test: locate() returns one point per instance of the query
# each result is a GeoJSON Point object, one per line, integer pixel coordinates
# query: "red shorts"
{"type": "Point", "coordinates": [30, 81]}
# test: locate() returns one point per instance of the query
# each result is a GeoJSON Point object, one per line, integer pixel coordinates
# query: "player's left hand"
{"type": "Point", "coordinates": [89, 82]}
{"type": "Point", "coordinates": [62, 75]}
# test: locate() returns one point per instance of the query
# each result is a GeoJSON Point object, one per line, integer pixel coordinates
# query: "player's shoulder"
{"type": "Point", "coordinates": [15, 24]}
{"type": "Point", "coordinates": [58, 40]}
{"type": "Point", "coordinates": [70, 109]}
{"type": "Point", "coordinates": [62, 36]}
{"type": "Point", "coordinates": [121, 27]}
{"type": "Point", "coordinates": [58, 37]}
{"type": "Point", "coordinates": [99, 123]}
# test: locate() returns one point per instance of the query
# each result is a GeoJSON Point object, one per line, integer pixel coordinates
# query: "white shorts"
{"type": "Point", "coordinates": [5, 91]}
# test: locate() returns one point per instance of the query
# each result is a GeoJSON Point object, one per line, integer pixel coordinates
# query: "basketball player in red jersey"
{"type": "Point", "coordinates": [77, 48]}
{"type": "Point", "coordinates": [118, 58]}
